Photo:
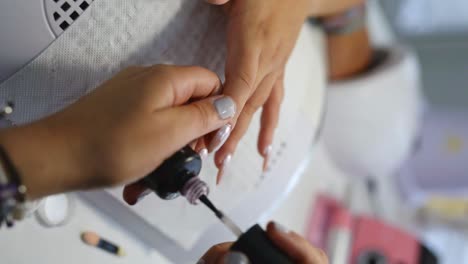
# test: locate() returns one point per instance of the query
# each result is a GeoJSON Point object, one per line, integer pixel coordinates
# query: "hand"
{"type": "Point", "coordinates": [296, 247]}
{"type": "Point", "coordinates": [316, 7]}
{"type": "Point", "coordinates": [120, 132]}
{"type": "Point", "coordinates": [260, 36]}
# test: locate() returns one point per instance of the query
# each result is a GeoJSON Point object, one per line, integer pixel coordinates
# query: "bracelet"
{"type": "Point", "coordinates": [345, 23]}
{"type": "Point", "coordinates": [12, 191]}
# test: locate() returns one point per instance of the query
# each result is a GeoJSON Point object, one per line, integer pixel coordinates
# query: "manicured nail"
{"type": "Point", "coordinates": [280, 228]}
{"type": "Point", "coordinates": [236, 258]}
{"type": "Point", "coordinates": [266, 157]}
{"type": "Point", "coordinates": [225, 106]}
{"type": "Point", "coordinates": [224, 167]}
{"type": "Point", "coordinates": [220, 138]}
{"type": "Point", "coordinates": [203, 153]}
{"type": "Point", "coordinates": [144, 194]}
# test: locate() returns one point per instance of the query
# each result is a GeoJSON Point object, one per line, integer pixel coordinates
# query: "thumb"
{"type": "Point", "coordinates": [189, 122]}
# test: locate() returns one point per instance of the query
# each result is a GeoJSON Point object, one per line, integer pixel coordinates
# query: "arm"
{"type": "Point", "coordinates": [93, 143]}
{"type": "Point", "coordinates": [348, 46]}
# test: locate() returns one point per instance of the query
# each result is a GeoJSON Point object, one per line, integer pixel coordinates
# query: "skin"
{"type": "Point", "coordinates": [296, 247]}
{"type": "Point", "coordinates": [144, 116]}
{"type": "Point", "coordinates": [260, 39]}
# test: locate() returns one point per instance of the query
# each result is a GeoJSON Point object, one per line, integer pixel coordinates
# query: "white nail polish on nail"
{"type": "Point", "coordinates": [220, 138]}
{"type": "Point", "coordinates": [225, 106]}
{"type": "Point", "coordinates": [267, 151]}
{"type": "Point", "coordinates": [227, 161]}
{"type": "Point", "coordinates": [203, 153]}
{"type": "Point", "coordinates": [266, 157]}
{"type": "Point", "coordinates": [224, 166]}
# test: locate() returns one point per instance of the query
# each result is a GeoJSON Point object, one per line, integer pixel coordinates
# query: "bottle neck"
{"type": "Point", "coordinates": [194, 189]}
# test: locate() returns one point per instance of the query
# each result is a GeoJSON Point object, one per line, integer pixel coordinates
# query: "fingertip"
{"type": "Point", "coordinates": [134, 192]}
{"type": "Point", "coordinates": [217, 2]}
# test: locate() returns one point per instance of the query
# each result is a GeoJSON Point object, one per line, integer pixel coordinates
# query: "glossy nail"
{"type": "Point", "coordinates": [224, 167]}
{"type": "Point", "coordinates": [203, 153]}
{"type": "Point", "coordinates": [225, 106]}
{"type": "Point", "coordinates": [266, 157]}
{"type": "Point", "coordinates": [220, 138]}
{"type": "Point", "coordinates": [144, 194]}
{"type": "Point", "coordinates": [236, 258]}
{"type": "Point", "coordinates": [280, 228]}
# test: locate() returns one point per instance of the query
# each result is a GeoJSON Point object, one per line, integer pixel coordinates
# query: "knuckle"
{"type": "Point", "coordinates": [247, 79]}
{"type": "Point", "coordinates": [202, 115]}
{"type": "Point", "coordinates": [250, 109]}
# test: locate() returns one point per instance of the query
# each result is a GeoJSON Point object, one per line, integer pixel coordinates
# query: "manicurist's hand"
{"type": "Point", "coordinates": [120, 132]}
{"type": "Point", "coordinates": [299, 250]}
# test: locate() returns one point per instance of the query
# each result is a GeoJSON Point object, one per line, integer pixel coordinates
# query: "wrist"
{"type": "Point", "coordinates": [40, 158]}
{"type": "Point", "coordinates": [348, 55]}
{"type": "Point", "coordinates": [323, 8]}
{"type": "Point", "coordinates": [349, 47]}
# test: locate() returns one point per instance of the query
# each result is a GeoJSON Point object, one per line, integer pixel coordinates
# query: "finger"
{"type": "Point", "coordinates": [201, 149]}
{"type": "Point", "coordinates": [217, 2]}
{"type": "Point", "coordinates": [269, 121]}
{"type": "Point", "coordinates": [224, 155]}
{"type": "Point", "coordinates": [216, 253]}
{"type": "Point", "coordinates": [182, 83]}
{"type": "Point", "coordinates": [295, 246]}
{"type": "Point", "coordinates": [241, 72]}
{"type": "Point", "coordinates": [185, 123]}
{"type": "Point", "coordinates": [134, 192]}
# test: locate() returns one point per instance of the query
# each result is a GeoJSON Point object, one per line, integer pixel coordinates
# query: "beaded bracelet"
{"type": "Point", "coordinates": [12, 191]}
{"type": "Point", "coordinates": [345, 23]}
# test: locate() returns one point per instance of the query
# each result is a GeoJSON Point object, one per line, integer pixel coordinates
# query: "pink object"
{"type": "Point", "coordinates": [369, 240]}
{"type": "Point", "coordinates": [371, 235]}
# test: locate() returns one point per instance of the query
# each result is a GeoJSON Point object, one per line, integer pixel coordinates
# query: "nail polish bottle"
{"type": "Point", "coordinates": [178, 175]}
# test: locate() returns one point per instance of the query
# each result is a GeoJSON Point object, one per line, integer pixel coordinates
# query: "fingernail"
{"type": "Point", "coordinates": [280, 228]}
{"type": "Point", "coordinates": [224, 166]}
{"type": "Point", "coordinates": [220, 138]}
{"type": "Point", "coordinates": [201, 261]}
{"type": "Point", "coordinates": [203, 153]}
{"type": "Point", "coordinates": [266, 157]}
{"type": "Point", "coordinates": [236, 258]}
{"type": "Point", "coordinates": [225, 106]}
{"type": "Point", "coordinates": [143, 195]}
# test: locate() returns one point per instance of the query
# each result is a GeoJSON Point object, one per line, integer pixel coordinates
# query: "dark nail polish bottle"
{"type": "Point", "coordinates": [178, 175]}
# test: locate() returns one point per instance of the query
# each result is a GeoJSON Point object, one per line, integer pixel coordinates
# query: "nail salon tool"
{"type": "Point", "coordinates": [95, 240]}
{"type": "Point", "coordinates": [178, 175]}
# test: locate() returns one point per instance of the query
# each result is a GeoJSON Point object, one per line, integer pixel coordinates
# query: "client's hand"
{"type": "Point", "coordinates": [260, 37]}
{"type": "Point", "coordinates": [296, 247]}
{"type": "Point", "coordinates": [120, 132]}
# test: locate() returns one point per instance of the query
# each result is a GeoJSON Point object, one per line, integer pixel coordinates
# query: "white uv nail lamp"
{"type": "Point", "coordinates": [28, 27]}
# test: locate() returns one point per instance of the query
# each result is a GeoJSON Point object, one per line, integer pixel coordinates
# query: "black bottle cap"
{"type": "Point", "coordinates": [170, 177]}
{"type": "Point", "coordinates": [256, 245]}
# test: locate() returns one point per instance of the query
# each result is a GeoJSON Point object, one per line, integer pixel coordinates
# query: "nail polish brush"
{"type": "Point", "coordinates": [178, 175]}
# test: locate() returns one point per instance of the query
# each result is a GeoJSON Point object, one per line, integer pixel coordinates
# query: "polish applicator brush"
{"type": "Point", "coordinates": [178, 175]}
{"type": "Point", "coordinates": [254, 243]}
